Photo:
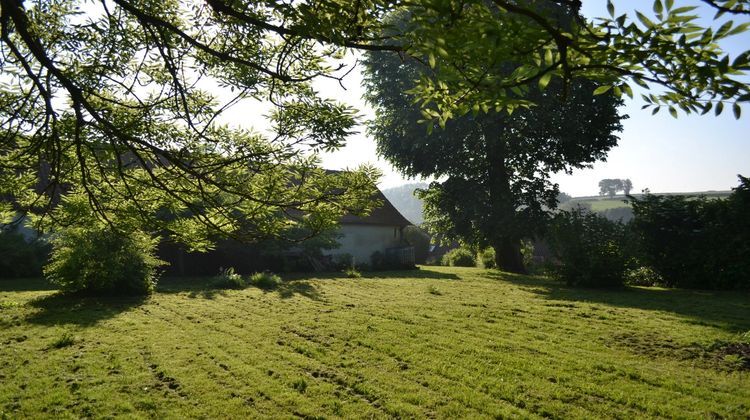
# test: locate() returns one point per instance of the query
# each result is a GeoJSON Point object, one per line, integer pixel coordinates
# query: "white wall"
{"type": "Point", "coordinates": [362, 240]}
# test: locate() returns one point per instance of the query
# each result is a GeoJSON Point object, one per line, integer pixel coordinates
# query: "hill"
{"type": "Point", "coordinates": [613, 208]}
{"type": "Point", "coordinates": [406, 203]}
{"type": "Point", "coordinates": [434, 343]}
{"type": "Point", "coordinates": [617, 208]}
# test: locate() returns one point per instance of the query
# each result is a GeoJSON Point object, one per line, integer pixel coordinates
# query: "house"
{"type": "Point", "coordinates": [381, 231]}
{"type": "Point", "coordinates": [359, 238]}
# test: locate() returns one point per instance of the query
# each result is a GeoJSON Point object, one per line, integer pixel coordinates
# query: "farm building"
{"type": "Point", "coordinates": [381, 231]}
{"type": "Point", "coordinates": [359, 237]}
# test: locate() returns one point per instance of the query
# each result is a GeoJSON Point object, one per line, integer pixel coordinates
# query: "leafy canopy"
{"type": "Point", "coordinates": [115, 101]}
{"type": "Point", "coordinates": [493, 167]}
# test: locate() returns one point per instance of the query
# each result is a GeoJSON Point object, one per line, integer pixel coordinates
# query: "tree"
{"type": "Point", "coordinates": [461, 40]}
{"type": "Point", "coordinates": [494, 167]}
{"type": "Point", "coordinates": [627, 185]}
{"type": "Point", "coordinates": [610, 187]}
{"type": "Point", "coordinates": [114, 108]}
{"type": "Point", "coordinates": [113, 100]}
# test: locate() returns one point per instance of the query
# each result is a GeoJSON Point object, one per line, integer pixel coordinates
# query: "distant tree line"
{"type": "Point", "coordinates": [611, 187]}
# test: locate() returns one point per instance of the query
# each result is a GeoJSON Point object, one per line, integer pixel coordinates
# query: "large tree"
{"type": "Point", "coordinates": [492, 168]}
{"type": "Point", "coordinates": [114, 100]}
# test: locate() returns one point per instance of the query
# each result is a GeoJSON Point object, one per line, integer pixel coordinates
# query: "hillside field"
{"type": "Point", "coordinates": [602, 203]}
{"type": "Point", "coordinates": [437, 342]}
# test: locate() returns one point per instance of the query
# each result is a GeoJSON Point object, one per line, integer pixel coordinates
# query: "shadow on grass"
{"type": "Point", "coordinates": [420, 273]}
{"type": "Point", "coordinates": [64, 308]}
{"type": "Point", "coordinates": [290, 288]}
{"type": "Point", "coordinates": [728, 310]}
{"type": "Point", "coordinates": [204, 287]}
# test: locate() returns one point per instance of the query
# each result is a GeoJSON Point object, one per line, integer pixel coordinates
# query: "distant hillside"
{"type": "Point", "coordinates": [616, 208]}
{"type": "Point", "coordinates": [405, 202]}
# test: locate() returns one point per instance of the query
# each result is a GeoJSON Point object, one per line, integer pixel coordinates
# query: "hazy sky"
{"type": "Point", "coordinates": [692, 153]}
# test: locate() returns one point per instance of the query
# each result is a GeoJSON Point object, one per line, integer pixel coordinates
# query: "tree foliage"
{"type": "Point", "coordinates": [493, 167]}
{"type": "Point", "coordinates": [697, 242]}
{"type": "Point", "coordinates": [115, 100]}
{"type": "Point", "coordinates": [667, 49]}
{"type": "Point", "coordinates": [610, 186]}
{"type": "Point", "coordinates": [115, 103]}
{"type": "Point", "coordinates": [589, 249]}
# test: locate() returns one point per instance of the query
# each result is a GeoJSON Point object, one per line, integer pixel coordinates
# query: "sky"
{"type": "Point", "coordinates": [663, 154]}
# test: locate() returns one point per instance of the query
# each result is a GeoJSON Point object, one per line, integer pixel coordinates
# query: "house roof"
{"type": "Point", "coordinates": [385, 215]}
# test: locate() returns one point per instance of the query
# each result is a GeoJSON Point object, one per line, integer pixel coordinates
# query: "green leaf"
{"type": "Point", "coordinates": [626, 88]}
{"type": "Point", "coordinates": [602, 89]}
{"type": "Point", "coordinates": [658, 8]}
{"type": "Point", "coordinates": [646, 21]}
{"type": "Point", "coordinates": [737, 110]}
{"type": "Point", "coordinates": [656, 110]}
{"type": "Point", "coordinates": [706, 108]}
{"type": "Point", "coordinates": [670, 3]}
{"type": "Point", "coordinates": [724, 29]}
{"type": "Point", "coordinates": [431, 60]}
{"type": "Point", "coordinates": [719, 107]}
{"type": "Point", "coordinates": [684, 9]}
{"type": "Point", "coordinates": [742, 27]}
{"type": "Point", "coordinates": [544, 80]}
{"type": "Point", "coordinates": [673, 111]}
{"type": "Point", "coordinates": [611, 8]}
{"type": "Point", "coordinates": [548, 57]}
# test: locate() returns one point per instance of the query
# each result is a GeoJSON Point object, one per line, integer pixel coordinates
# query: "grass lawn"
{"type": "Point", "coordinates": [439, 342]}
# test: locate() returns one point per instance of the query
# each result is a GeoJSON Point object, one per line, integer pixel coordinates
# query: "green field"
{"type": "Point", "coordinates": [439, 342]}
{"type": "Point", "coordinates": [599, 204]}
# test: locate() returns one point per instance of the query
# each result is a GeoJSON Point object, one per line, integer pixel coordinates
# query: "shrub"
{"type": "Point", "coordinates": [265, 280]}
{"type": "Point", "coordinates": [381, 261]}
{"type": "Point", "coordinates": [588, 248]}
{"type": "Point", "coordinates": [94, 259]}
{"type": "Point", "coordinates": [342, 261]}
{"type": "Point", "coordinates": [229, 279]}
{"type": "Point", "coordinates": [460, 257]}
{"type": "Point", "coordinates": [21, 258]}
{"type": "Point", "coordinates": [420, 240]}
{"type": "Point", "coordinates": [487, 257]}
{"type": "Point", "coordinates": [697, 242]}
{"type": "Point", "coordinates": [643, 276]}
{"type": "Point", "coordinates": [352, 273]}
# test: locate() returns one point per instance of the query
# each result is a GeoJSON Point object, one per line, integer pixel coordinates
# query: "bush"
{"type": "Point", "coordinates": [487, 257]}
{"type": "Point", "coordinates": [94, 259]}
{"type": "Point", "coordinates": [697, 242]}
{"type": "Point", "coordinates": [643, 276]}
{"type": "Point", "coordinates": [21, 258]}
{"type": "Point", "coordinates": [588, 248]}
{"type": "Point", "coordinates": [265, 280]}
{"type": "Point", "coordinates": [229, 279]}
{"type": "Point", "coordinates": [460, 257]}
{"type": "Point", "coordinates": [342, 261]}
{"type": "Point", "coordinates": [352, 273]}
{"type": "Point", "coordinates": [386, 261]}
{"type": "Point", "coordinates": [420, 240]}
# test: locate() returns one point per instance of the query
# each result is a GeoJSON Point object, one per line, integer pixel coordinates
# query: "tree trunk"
{"type": "Point", "coordinates": [501, 231]}
{"type": "Point", "coordinates": [508, 255]}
